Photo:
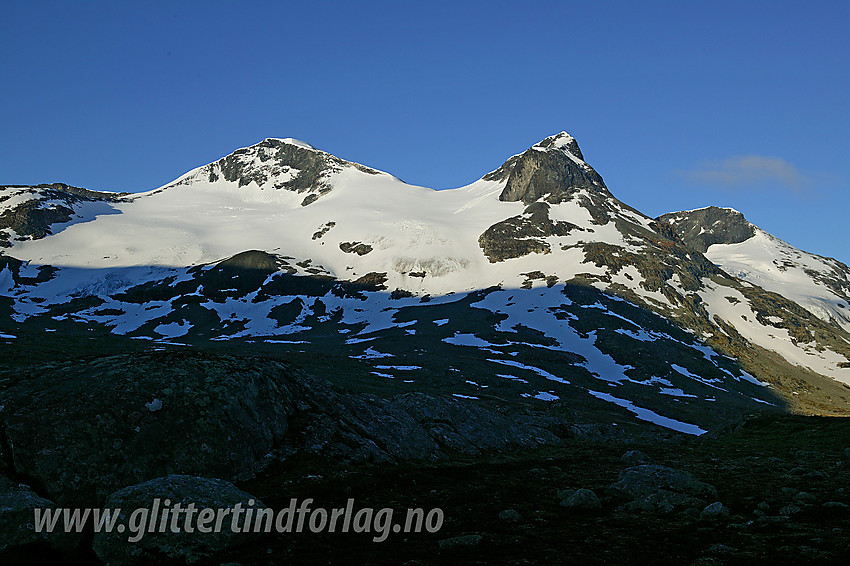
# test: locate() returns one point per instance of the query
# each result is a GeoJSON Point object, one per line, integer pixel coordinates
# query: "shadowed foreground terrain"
{"type": "Point", "coordinates": [783, 479]}
{"type": "Point", "coordinates": [787, 505]}
{"type": "Point", "coordinates": [515, 487]}
{"type": "Point", "coordinates": [566, 378]}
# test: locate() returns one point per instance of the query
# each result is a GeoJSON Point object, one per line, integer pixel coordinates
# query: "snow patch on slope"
{"type": "Point", "coordinates": [775, 265]}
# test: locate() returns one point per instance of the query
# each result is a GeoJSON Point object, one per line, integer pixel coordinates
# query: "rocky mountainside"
{"type": "Point", "coordinates": [282, 311]}
{"type": "Point", "coordinates": [29, 212]}
{"type": "Point", "coordinates": [819, 284]}
{"type": "Point", "coordinates": [530, 286]}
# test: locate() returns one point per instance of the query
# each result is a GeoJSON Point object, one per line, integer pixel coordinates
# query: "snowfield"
{"type": "Point", "coordinates": [775, 265]}
{"type": "Point", "coordinates": [424, 246]}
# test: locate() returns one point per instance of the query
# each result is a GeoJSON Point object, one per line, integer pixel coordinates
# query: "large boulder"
{"type": "Point", "coordinates": [87, 428]}
{"type": "Point", "coordinates": [84, 429]}
{"type": "Point", "coordinates": [644, 480]}
{"type": "Point", "coordinates": [582, 500]}
{"type": "Point", "coordinates": [18, 505]}
{"type": "Point", "coordinates": [659, 489]}
{"type": "Point", "coordinates": [131, 541]}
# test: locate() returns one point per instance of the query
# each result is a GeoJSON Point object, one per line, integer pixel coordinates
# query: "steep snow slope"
{"type": "Point", "coordinates": [819, 284]}
{"type": "Point", "coordinates": [29, 212]}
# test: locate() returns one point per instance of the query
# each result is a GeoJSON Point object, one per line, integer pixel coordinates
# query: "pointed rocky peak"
{"type": "Point", "coordinates": [553, 169]}
{"type": "Point", "coordinates": [562, 141]}
{"type": "Point", "coordinates": [704, 227]}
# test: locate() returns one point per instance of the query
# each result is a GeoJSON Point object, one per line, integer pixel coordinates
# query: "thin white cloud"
{"type": "Point", "coordinates": [750, 172]}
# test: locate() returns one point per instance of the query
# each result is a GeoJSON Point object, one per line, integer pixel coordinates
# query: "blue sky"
{"type": "Point", "coordinates": [678, 105]}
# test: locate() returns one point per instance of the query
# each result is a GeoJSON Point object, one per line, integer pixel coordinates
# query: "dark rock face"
{"type": "Point", "coordinates": [355, 248]}
{"type": "Point", "coordinates": [296, 168]}
{"type": "Point", "coordinates": [50, 204]}
{"type": "Point", "coordinates": [558, 139]}
{"type": "Point", "coordinates": [235, 277]}
{"type": "Point", "coordinates": [323, 230]}
{"type": "Point", "coordinates": [251, 260]}
{"type": "Point", "coordinates": [702, 228]}
{"type": "Point", "coordinates": [657, 264]}
{"type": "Point", "coordinates": [31, 219]}
{"type": "Point", "coordinates": [372, 281]}
{"type": "Point", "coordinates": [310, 199]}
{"type": "Point", "coordinates": [550, 173]}
{"type": "Point", "coordinates": [546, 170]}
{"type": "Point", "coordinates": [14, 265]}
{"type": "Point", "coordinates": [278, 157]}
{"type": "Point", "coordinates": [146, 547]}
{"type": "Point", "coordinates": [521, 235]}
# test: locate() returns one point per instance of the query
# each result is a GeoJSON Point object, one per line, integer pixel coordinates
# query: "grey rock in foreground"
{"type": "Point", "coordinates": [582, 500]}
{"type": "Point", "coordinates": [659, 489]}
{"type": "Point", "coordinates": [647, 479]}
{"type": "Point", "coordinates": [137, 546]}
{"type": "Point", "coordinates": [17, 520]}
{"type": "Point", "coordinates": [714, 511]}
{"type": "Point", "coordinates": [88, 428]}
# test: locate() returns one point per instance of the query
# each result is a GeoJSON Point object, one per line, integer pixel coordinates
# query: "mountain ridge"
{"type": "Point", "coordinates": [818, 283]}
{"type": "Point", "coordinates": [285, 245]}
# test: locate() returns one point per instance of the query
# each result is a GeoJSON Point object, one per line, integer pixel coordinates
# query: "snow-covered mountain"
{"type": "Point", "coordinates": [819, 284]}
{"type": "Point", "coordinates": [531, 285]}
{"type": "Point", "coordinates": [284, 197]}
